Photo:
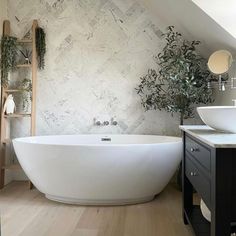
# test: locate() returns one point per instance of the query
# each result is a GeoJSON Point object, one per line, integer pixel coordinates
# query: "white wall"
{"type": "Point", "coordinates": [223, 12]}
{"type": "Point", "coordinates": [3, 13]}
{"type": "Point", "coordinates": [193, 22]}
{"type": "Point", "coordinates": [225, 97]}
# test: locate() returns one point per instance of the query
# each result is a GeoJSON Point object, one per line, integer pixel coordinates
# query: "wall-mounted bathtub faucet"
{"type": "Point", "coordinates": [106, 123]}
{"type": "Point", "coordinates": [113, 122]}
{"type": "Point", "coordinates": [99, 123]}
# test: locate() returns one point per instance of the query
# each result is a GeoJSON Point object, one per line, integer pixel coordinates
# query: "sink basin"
{"type": "Point", "coordinates": [221, 118]}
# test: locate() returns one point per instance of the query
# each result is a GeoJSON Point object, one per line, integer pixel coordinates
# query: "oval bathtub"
{"type": "Point", "coordinates": [98, 169]}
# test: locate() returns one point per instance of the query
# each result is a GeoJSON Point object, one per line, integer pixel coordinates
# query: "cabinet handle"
{"type": "Point", "coordinates": [192, 173]}
{"type": "Point", "coordinates": [194, 149]}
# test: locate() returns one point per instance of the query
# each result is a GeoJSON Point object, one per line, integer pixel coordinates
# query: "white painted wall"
{"type": "Point", "coordinates": [3, 13]}
{"type": "Point", "coordinates": [223, 12]}
{"type": "Point", "coordinates": [226, 97]}
{"type": "Point", "coordinates": [193, 22]}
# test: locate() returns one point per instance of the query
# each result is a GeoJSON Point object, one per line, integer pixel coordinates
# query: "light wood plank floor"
{"type": "Point", "coordinates": [28, 213]}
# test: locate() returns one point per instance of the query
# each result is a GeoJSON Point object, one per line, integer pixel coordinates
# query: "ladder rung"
{"type": "Point", "coordinates": [24, 66]}
{"type": "Point", "coordinates": [6, 141]}
{"type": "Point", "coordinates": [16, 115]}
{"type": "Point", "coordinates": [14, 90]}
{"type": "Point", "coordinates": [24, 41]}
{"type": "Point", "coordinates": [12, 167]}
{"type": "Point", "coordinates": [31, 66]}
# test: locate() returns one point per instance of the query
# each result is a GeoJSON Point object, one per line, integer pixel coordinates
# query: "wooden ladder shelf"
{"type": "Point", "coordinates": [5, 137]}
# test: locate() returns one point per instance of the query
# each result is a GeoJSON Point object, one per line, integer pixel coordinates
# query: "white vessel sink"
{"type": "Point", "coordinates": [221, 118]}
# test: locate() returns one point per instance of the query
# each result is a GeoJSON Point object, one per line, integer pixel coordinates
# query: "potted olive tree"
{"type": "Point", "coordinates": [181, 81]}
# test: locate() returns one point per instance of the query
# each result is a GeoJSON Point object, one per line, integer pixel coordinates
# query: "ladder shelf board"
{"type": "Point", "coordinates": [20, 41]}
{"type": "Point", "coordinates": [14, 90]}
{"type": "Point", "coordinates": [12, 167]}
{"type": "Point", "coordinates": [6, 141]}
{"type": "Point", "coordinates": [16, 115]}
{"type": "Point", "coordinates": [5, 118]}
{"type": "Point", "coordinates": [24, 66]}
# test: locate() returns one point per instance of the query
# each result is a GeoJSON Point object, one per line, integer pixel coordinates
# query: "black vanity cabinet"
{"type": "Point", "coordinates": [211, 172]}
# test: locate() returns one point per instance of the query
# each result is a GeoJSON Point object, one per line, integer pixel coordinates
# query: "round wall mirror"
{"type": "Point", "coordinates": [220, 61]}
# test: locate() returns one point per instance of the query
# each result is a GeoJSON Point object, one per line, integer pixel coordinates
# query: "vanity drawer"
{"type": "Point", "coordinates": [198, 180]}
{"type": "Point", "coordinates": [199, 152]}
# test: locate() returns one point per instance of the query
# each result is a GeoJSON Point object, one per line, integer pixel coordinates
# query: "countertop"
{"type": "Point", "coordinates": [213, 138]}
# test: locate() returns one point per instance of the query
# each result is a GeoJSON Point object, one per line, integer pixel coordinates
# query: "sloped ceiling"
{"type": "Point", "coordinates": [223, 12]}
{"type": "Point", "coordinates": [193, 22]}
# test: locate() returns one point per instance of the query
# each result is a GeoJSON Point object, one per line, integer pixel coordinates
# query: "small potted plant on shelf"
{"type": "Point", "coordinates": [8, 57]}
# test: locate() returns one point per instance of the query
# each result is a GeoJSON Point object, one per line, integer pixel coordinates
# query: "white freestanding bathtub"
{"type": "Point", "coordinates": [99, 169]}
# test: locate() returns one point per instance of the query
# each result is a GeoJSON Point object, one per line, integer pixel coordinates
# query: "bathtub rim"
{"type": "Point", "coordinates": [23, 140]}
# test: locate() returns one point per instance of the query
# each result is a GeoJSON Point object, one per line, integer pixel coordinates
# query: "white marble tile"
{"type": "Point", "coordinates": [96, 52]}
{"type": "Point", "coordinates": [210, 136]}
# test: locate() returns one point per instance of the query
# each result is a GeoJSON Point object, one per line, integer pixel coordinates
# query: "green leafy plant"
{"type": "Point", "coordinates": [8, 57]}
{"type": "Point", "coordinates": [181, 81]}
{"type": "Point", "coordinates": [27, 54]}
{"type": "Point", "coordinates": [26, 87]}
{"type": "Point", "coordinates": [40, 47]}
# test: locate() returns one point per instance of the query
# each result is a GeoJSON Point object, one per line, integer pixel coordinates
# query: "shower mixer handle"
{"type": "Point", "coordinates": [106, 123]}
{"type": "Point", "coordinates": [114, 122]}
{"type": "Point", "coordinates": [97, 122]}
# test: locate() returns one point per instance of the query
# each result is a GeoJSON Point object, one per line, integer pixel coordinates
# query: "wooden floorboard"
{"type": "Point", "coordinates": [27, 212]}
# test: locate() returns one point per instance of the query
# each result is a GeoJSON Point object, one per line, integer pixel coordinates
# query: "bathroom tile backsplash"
{"type": "Point", "coordinates": [96, 52]}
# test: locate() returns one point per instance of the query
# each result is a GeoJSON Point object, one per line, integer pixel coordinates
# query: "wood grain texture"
{"type": "Point", "coordinates": [4, 93]}
{"type": "Point", "coordinates": [6, 32]}
{"type": "Point", "coordinates": [214, 182]}
{"type": "Point", "coordinates": [27, 213]}
{"type": "Point", "coordinates": [34, 78]}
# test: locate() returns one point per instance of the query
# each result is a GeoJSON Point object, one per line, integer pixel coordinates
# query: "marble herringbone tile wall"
{"type": "Point", "coordinates": [96, 52]}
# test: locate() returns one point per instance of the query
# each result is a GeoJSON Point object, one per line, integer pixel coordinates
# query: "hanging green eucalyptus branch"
{"type": "Point", "coordinates": [181, 81]}
{"type": "Point", "coordinates": [8, 57]}
{"type": "Point", "coordinates": [40, 47]}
